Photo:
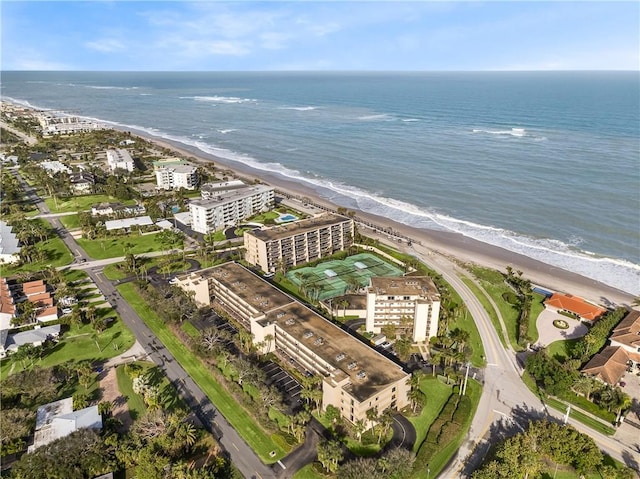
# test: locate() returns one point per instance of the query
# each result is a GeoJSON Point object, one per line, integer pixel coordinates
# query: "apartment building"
{"type": "Point", "coordinates": [411, 303]}
{"type": "Point", "coordinates": [120, 159]}
{"type": "Point", "coordinates": [175, 174]}
{"type": "Point", "coordinates": [298, 242]}
{"type": "Point", "coordinates": [229, 207]}
{"type": "Point", "coordinates": [356, 377]}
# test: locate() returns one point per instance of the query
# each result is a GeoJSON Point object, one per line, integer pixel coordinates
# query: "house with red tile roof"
{"type": "Point", "coordinates": [627, 334]}
{"type": "Point", "coordinates": [608, 366]}
{"type": "Point", "coordinates": [575, 305]}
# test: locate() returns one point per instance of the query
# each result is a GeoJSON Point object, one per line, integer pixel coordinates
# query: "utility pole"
{"type": "Point", "coordinates": [466, 378]}
{"type": "Point", "coordinates": [566, 416]}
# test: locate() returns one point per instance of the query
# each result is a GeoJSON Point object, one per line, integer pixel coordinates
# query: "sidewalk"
{"type": "Point", "coordinates": [134, 352]}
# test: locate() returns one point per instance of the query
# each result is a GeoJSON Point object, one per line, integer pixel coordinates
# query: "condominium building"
{"type": "Point", "coordinates": [411, 303]}
{"type": "Point", "coordinates": [173, 175]}
{"type": "Point", "coordinates": [229, 207]}
{"type": "Point", "coordinates": [66, 125]}
{"type": "Point", "coordinates": [299, 242]}
{"type": "Point", "coordinates": [120, 159]}
{"type": "Point", "coordinates": [356, 378]}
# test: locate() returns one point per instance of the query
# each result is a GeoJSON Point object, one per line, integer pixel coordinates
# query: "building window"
{"type": "Point", "coordinates": [393, 389]}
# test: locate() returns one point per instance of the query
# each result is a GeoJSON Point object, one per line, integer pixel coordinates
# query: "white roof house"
{"type": "Point", "coordinates": [9, 245]}
{"type": "Point", "coordinates": [11, 342]}
{"type": "Point", "coordinates": [58, 419]}
{"type": "Point", "coordinates": [128, 222]}
{"type": "Point", "coordinates": [54, 167]}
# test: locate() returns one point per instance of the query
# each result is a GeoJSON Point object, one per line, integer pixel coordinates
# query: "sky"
{"type": "Point", "coordinates": [332, 35]}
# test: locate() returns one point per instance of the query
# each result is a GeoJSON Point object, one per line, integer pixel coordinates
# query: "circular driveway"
{"type": "Point", "coordinates": [548, 333]}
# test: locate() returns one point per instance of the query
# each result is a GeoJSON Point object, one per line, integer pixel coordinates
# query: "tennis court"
{"type": "Point", "coordinates": [335, 277]}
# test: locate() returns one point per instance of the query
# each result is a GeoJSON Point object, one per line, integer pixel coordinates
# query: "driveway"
{"type": "Point", "coordinates": [548, 333]}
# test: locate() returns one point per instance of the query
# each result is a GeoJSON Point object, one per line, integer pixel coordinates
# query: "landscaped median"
{"type": "Point", "coordinates": [238, 417]}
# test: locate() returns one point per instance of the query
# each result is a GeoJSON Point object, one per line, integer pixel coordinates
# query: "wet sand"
{"type": "Point", "coordinates": [455, 247]}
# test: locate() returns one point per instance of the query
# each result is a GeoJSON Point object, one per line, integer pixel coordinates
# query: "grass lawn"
{"type": "Point", "coordinates": [466, 323]}
{"type": "Point", "coordinates": [439, 460]}
{"type": "Point", "coordinates": [190, 329]}
{"type": "Point", "coordinates": [116, 246]}
{"type": "Point", "coordinates": [437, 393]}
{"type": "Point", "coordinates": [169, 397]}
{"type": "Point", "coordinates": [537, 306]}
{"type": "Point", "coordinates": [78, 345]}
{"type": "Point", "coordinates": [308, 472]}
{"type": "Point", "coordinates": [561, 349]}
{"type": "Point", "coordinates": [71, 222]}
{"type": "Point", "coordinates": [487, 306]}
{"type": "Point", "coordinates": [57, 254]}
{"type": "Point", "coordinates": [113, 272]}
{"type": "Point", "coordinates": [82, 203]}
{"type": "Point", "coordinates": [240, 419]}
{"type": "Point", "coordinates": [135, 403]}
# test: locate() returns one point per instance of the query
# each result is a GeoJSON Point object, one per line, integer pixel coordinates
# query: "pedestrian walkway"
{"type": "Point", "coordinates": [134, 352]}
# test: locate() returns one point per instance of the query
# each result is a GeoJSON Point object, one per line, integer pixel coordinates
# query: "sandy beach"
{"type": "Point", "coordinates": [425, 243]}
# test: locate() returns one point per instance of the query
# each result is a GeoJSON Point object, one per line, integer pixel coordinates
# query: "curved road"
{"type": "Point", "coordinates": [505, 402]}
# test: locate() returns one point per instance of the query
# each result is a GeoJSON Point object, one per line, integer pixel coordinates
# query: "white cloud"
{"type": "Point", "coordinates": [105, 45]}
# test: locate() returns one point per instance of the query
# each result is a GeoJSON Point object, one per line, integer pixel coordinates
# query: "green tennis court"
{"type": "Point", "coordinates": [335, 277]}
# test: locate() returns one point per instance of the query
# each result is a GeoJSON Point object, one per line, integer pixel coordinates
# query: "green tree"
{"type": "Point", "coordinates": [330, 454]}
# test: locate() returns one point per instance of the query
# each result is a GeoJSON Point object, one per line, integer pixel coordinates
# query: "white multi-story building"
{"type": "Point", "coordinates": [411, 303]}
{"type": "Point", "coordinates": [120, 159]}
{"type": "Point", "coordinates": [229, 208]}
{"type": "Point", "coordinates": [356, 378]}
{"type": "Point", "coordinates": [9, 244]}
{"type": "Point", "coordinates": [298, 242]}
{"type": "Point", "coordinates": [66, 125]}
{"type": "Point", "coordinates": [176, 175]}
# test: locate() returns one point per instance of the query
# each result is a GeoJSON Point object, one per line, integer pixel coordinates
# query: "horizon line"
{"type": "Point", "coordinates": [323, 71]}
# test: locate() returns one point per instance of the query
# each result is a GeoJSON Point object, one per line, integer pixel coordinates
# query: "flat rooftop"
{"type": "Point", "coordinates": [342, 351]}
{"type": "Point", "coordinates": [281, 309]}
{"type": "Point", "coordinates": [227, 196]}
{"type": "Point", "coordinates": [252, 289]}
{"type": "Point", "coordinates": [297, 227]}
{"type": "Point", "coordinates": [405, 285]}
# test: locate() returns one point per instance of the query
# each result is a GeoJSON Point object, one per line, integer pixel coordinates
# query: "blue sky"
{"type": "Point", "coordinates": [305, 35]}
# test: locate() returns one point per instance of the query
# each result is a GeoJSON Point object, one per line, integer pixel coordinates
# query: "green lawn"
{"type": "Point", "coordinates": [190, 329]}
{"type": "Point", "coordinates": [77, 344]}
{"type": "Point", "coordinates": [561, 349]}
{"type": "Point", "coordinates": [466, 323]}
{"type": "Point", "coordinates": [57, 254]}
{"type": "Point", "coordinates": [239, 418]}
{"type": "Point", "coordinates": [307, 472]}
{"type": "Point", "coordinates": [487, 306]}
{"type": "Point", "coordinates": [113, 272]}
{"type": "Point", "coordinates": [436, 393]}
{"type": "Point", "coordinates": [581, 417]}
{"type": "Point", "coordinates": [135, 403]}
{"type": "Point", "coordinates": [71, 222]}
{"type": "Point", "coordinates": [114, 247]}
{"type": "Point", "coordinates": [81, 203]}
{"type": "Point", "coordinates": [537, 306]}
{"type": "Point", "coordinates": [443, 456]}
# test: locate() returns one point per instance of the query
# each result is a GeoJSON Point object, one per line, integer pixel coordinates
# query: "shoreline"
{"type": "Point", "coordinates": [453, 246]}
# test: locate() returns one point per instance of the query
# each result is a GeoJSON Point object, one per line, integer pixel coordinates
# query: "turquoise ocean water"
{"type": "Point", "coordinates": [546, 164]}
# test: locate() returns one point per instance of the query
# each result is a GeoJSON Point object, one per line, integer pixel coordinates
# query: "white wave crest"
{"type": "Point", "coordinates": [298, 108]}
{"type": "Point", "coordinates": [617, 273]}
{"type": "Point", "coordinates": [410, 120]}
{"type": "Point", "coordinates": [219, 99]}
{"type": "Point", "coordinates": [381, 116]}
{"type": "Point", "coordinates": [229, 130]}
{"type": "Point", "coordinates": [513, 132]}
{"type": "Point", "coordinates": [99, 87]}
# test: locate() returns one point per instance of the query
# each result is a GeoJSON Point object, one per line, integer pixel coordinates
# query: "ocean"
{"type": "Point", "coordinates": [546, 164]}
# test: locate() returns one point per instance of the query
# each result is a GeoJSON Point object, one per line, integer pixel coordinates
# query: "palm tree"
{"type": "Point", "coordinates": [359, 427]}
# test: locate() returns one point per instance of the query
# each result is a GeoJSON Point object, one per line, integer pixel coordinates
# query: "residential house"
{"type": "Point", "coordinates": [58, 419]}
{"type": "Point", "coordinates": [575, 305]}
{"type": "Point", "coordinates": [10, 343]}
{"type": "Point", "coordinates": [82, 182]}
{"type": "Point", "coordinates": [9, 244]}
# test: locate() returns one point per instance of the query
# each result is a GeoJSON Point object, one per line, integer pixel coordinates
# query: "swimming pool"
{"type": "Point", "coordinates": [286, 218]}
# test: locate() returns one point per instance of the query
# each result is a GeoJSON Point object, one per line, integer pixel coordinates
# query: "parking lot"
{"type": "Point", "coordinates": [285, 383]}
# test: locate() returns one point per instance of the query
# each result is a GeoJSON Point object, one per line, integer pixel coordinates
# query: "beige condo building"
{"type": "Point", "coordinates": [411, 303]}
{"type": "Point", "coordinates": [356, 377]}
{"type": "Point", "coordinates": [298, 242]}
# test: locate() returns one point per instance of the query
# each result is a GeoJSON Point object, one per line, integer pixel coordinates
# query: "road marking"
{"type": "Point", "coordinates": [280, 463]}
{"type": "Point", "coordinates": [235, 447]}
{"type": "Point", "coordinates": [258, 474]}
